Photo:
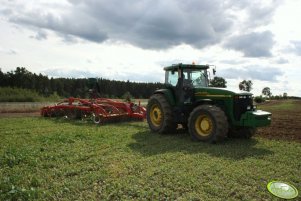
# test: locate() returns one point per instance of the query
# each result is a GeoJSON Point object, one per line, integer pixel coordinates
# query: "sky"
{"type": "Point", "coordinates": [258, 40]}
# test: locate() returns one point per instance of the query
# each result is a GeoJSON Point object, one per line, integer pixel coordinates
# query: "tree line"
{"type": "Point", "coordinates": [79, 87]}
{"type": "Point", "coordinates": [75, 87]}
{"type": "Point", "coordinates": [266, 93]}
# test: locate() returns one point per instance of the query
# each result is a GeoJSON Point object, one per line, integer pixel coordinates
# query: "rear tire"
{"type": "Point", "coordinates": [159, 114]}
{"type": "Point", "coordinates": [208, 123]}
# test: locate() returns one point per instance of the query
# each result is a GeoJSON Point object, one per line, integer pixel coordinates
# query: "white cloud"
{"type": "Point", "coordinates": [254, 44]}
{"type": "Point", "coordinates": [8, 51]}
{"type": "Point", "coordinates": [252, 73]}
{"type": "Point", "coordinates": [134, 39]}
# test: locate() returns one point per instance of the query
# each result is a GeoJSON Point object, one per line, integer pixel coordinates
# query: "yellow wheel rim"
{"type": "Point", "coordinates": [156, 115]}
{"type": "Point", "coordinates": [203, 125]}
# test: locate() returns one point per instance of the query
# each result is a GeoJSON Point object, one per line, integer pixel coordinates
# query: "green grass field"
{"type": "Point", "coordinates": [56, 159]}
{"type": "Point", "coordinates": [279, 105]}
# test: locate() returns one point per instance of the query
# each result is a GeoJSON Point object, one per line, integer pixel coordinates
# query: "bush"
{"type": "Point", "coordinates": [54, 97]}
{"type": "Point", "coordinates": [9, 94]}
{"type": "Point", "coordinates": [259, 99]}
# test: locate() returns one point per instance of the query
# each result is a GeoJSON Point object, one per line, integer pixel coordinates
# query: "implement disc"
{"type": "Point", "coordinates": [282, 190]}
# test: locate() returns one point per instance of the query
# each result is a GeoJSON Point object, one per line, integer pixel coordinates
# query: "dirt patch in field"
{"type": "Point", "coordinates": [19, 114]}
{"type": "Point", "coordinates": [268, 103]}
{"type": "Point", "coordinates": [286, 124]}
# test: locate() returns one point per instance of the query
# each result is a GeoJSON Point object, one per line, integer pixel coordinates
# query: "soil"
{"type": "Point", "coordinates": [286, 125]}
{"type": "Point", "coordinates": [19, 114]}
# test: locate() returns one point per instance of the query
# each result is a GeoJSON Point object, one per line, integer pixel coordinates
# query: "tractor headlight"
{"type": "Point", "coordinates": [249, 107]}
{"type": "Point", "coordinates": [269, 118]}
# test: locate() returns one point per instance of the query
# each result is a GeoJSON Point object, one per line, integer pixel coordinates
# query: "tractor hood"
{"type": "Point", "coordinates": [212, 91]}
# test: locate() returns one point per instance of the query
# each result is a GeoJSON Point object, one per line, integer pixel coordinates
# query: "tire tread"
{"type": "Point", "coordinates": [221, 123]}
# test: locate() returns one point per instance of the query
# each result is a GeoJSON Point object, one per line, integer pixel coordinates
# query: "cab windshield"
{"type": "Point", "coordinates": [193, 77]}
{"type": "Point", "coordinates": [198, 78]}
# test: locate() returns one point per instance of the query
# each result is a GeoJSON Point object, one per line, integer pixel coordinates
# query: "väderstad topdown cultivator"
{"type": "Point", "coordinates": [100, 110]}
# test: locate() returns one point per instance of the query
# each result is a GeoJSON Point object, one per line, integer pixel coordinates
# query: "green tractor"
{"type": "Point", "coordinates": [210, 114]}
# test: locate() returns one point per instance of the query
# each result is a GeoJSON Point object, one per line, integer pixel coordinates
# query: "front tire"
{"type": "Point", "coordinates": [208, 123]}
{"type": "Point", "coordinates": [159, 114]}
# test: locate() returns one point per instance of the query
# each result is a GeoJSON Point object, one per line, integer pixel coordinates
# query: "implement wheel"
{"type": "Point", "coordinates": [208, 123]}
{"type": "Point", "coordinates": [97, 119]}
{"type": "Point", "coordinates": [159, 114]}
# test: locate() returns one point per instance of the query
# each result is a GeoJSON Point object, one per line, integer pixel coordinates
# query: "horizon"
{"type": "Point", "coordinates": [137, 82]}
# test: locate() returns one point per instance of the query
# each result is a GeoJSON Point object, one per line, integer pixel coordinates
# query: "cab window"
{"type": "Point", "coordinates": [171, 77]}
{"type": "Point", "coordinates": [198, 78]}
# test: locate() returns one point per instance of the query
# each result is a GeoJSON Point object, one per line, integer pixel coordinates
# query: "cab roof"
{"type": "Point", "coordinates": [183, 66]}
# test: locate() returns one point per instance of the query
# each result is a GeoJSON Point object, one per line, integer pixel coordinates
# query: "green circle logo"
{"type": "Point", "coordinates": [282, 190]}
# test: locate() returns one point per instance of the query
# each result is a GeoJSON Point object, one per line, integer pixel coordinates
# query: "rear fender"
{"type": "Point", "coordinates": [168, 95]}
{"type": "Point", "coordinates": [204, 101]}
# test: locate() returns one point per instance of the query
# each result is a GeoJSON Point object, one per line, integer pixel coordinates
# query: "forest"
{"type": "Point", "coordinates": [21, 78]}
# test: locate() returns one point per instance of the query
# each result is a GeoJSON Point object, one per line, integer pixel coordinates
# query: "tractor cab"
{"type": "Point", "coordinates": [185, 75]}
{"type": "Point", "coordinates": [183, 78]}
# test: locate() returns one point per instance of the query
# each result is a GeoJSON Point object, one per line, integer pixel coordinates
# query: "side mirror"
{"type": "Point", "coordinates": [214, 71]}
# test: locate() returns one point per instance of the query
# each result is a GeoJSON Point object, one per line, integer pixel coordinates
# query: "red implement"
{"type": "Point", "coordinates": [100, 109]}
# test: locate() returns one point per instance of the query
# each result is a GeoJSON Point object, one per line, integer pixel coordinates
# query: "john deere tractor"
{"type": "Point", "coordinates": [210, 114]}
